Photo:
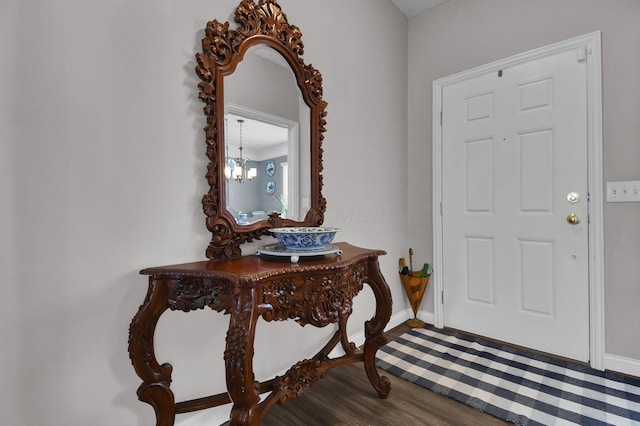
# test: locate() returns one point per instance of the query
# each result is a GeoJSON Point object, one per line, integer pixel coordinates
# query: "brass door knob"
{"type": "Point", "coordinates": [573, 219]}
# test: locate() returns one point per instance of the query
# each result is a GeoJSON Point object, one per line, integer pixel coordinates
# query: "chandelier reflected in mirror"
{"type": "Point", "coordinates": [237, 168]}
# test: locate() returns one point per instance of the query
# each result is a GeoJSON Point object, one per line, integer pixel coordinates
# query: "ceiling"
{"type": "Point", "coordinates": [412, 8]}
{"type": "Point", "coordinates": [255, 134]}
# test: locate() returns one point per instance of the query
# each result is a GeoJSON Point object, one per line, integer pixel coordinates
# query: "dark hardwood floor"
{"type": "Point", "coordinates": [345, 397]}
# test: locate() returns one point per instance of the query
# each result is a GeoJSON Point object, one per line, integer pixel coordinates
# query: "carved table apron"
{"type": "Point", "coordinates": [318, 291]}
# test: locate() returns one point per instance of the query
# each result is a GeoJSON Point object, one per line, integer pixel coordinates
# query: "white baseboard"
{"type": "Point", "coordinates": [211, 416]}
{"type": "Point", "coordinates": [622, 364]}
{"type": "Point", "coordinates": [398, 319]}
{"type": "Point", "coordinates": [428, 317]}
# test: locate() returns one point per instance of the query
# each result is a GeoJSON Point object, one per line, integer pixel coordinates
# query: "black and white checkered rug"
{"type": "Point", "coordinates": [521, 388]}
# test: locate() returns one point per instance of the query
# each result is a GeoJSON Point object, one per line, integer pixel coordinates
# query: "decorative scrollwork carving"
{"type": "Point", "coordinates": [238, 353]}
{"type": "Point", "coordinates": [300, 378]}
{"type": "Point", "coordinates": [333, 297]}
{"type": "Point", "coordinates": [281, 293]}
{"type": "Point", "coordinates": [190, 293]}
{"type": "Point", "coordinates": [261, 22]}
{"type": "Point", "coordinates": [267, 18]}
{"type": "Point", "coordinates": [318, 300]}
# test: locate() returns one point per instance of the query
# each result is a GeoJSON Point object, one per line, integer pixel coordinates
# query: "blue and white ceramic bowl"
{"type": "Point", "coordinates": [304, 238]}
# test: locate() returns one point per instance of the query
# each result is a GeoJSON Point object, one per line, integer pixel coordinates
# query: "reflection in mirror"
{"type": "Point", "coordinates": [271, 147]}
{"type": "Point", "coordinates": [264, 93]}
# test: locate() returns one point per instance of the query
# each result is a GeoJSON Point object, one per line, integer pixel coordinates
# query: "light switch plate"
{"type": "Point", "coordinates": [623, 192]}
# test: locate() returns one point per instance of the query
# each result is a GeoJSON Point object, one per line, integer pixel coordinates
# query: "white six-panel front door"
{"type": "Point", "coordinates": [514, 168]}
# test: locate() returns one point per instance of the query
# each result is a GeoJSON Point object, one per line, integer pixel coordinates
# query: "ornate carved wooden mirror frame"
{"type": "Point", "coordinates": [223, 49]}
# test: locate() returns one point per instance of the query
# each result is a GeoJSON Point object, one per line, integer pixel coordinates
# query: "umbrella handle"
{"type": "Point", "coordinates": [411, 259]}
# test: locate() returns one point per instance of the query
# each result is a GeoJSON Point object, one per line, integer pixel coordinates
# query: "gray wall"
{"type": "Point", "coordinates": [462, 34]}
{"type": "Point", "coordinates": [102, 163]}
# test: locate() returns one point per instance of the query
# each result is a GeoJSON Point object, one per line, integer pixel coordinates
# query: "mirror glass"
{"type": "Point", "coordinates": [266, 116]}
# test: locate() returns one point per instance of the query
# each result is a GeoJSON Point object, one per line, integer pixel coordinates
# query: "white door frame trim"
{"type": "Point", "coordinates": [592, 43]}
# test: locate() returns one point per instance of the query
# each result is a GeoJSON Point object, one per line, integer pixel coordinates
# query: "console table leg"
{"type": "Point", "coordinates": [238, 356]}
{"type": "Point", "coordinates": [156, 378]}
{"type": "Point", "coordinates": [374, 329]}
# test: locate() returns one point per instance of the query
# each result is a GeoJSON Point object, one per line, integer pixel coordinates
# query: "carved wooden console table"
{"type": "Point", "coordinates": [318, 292]}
